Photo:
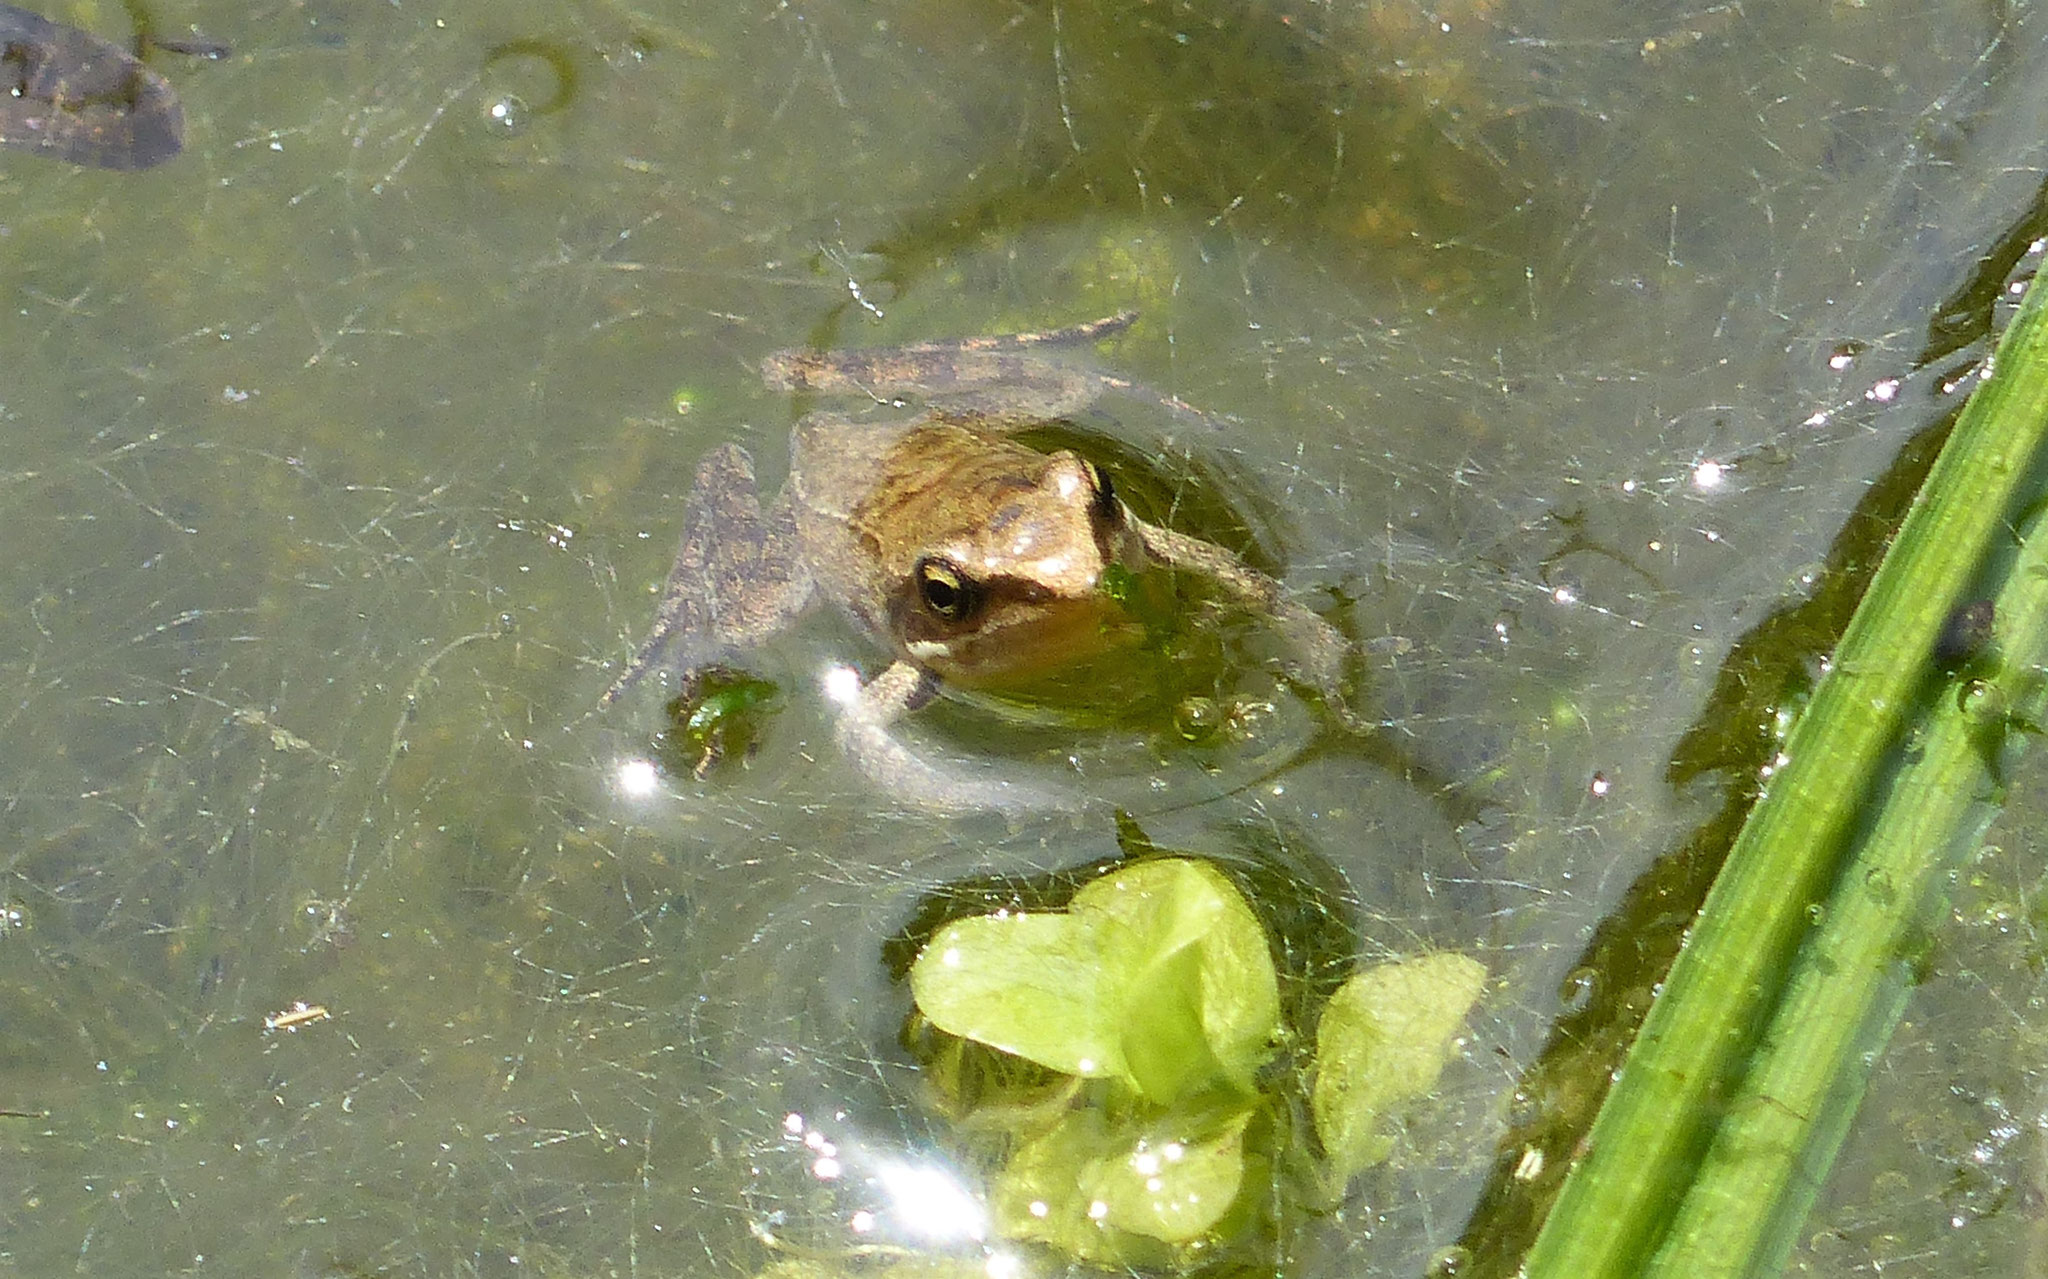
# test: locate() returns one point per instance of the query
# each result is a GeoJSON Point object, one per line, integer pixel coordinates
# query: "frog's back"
{"type": "Point", "coordinates": [832, 461]}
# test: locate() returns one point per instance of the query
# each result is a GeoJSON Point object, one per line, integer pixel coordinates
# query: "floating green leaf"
{"type": "Point", "coordinates": [1385, 1037]}
{"type": "Point", "coordinates": [1197, 955]}
{"type": "Point", "coordinates": [1037, 986]}
{"type": "Point", "coordinates": [1176, 1180]}
{"type": "Point", "coordinates": [1156, 990]}
{"type": "Point", "coordinates": [1158, 976]}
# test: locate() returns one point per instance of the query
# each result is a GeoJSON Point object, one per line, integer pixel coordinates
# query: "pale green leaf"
{"type": "Point", "coordinates": [1202, 999]}
{"type": "Point", "coordinates": [1175, 1180]}
{"type": "Point", "coordinates": [1163, 1040]}
{"type": "Point", "coordinates": [1037, 986]}
{"type": "Point", "coordinates": [1038, 1197]}
{"type": "Point", "coordinates": [1115, 1193]}
{"type": "Point", "coordinates": [1158, 976]}
{"type": "Point", "coordinates": [1385, 1037]}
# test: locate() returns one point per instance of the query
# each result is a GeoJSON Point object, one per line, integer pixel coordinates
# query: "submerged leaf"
{"type": "Point", "coordinates": [1176, 1181]}
{"type": "Point", "coordinates": [1384, 1039]}
{"type": "Point", "coordinates": [1114, 1193]}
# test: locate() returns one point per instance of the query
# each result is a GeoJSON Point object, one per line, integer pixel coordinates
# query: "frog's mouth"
{"type": "Point", "coordinates": [1029, 644]}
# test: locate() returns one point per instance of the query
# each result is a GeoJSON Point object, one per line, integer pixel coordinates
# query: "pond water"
{"type": "Point", "coordinates": [346, 451]}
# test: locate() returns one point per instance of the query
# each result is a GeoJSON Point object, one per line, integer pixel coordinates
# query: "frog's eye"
{"type": "Point", "coordinates": [1105, 503]}
{"type": "Point", "coordinates": [945, 592]}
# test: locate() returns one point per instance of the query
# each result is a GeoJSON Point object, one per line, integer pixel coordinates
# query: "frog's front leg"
{"type": "Point", "coordinates": [739, 575]}
{"type": "Point", "coordinates": [866, 715]}
{"type": "Point", "coordinates": [1320, 650]}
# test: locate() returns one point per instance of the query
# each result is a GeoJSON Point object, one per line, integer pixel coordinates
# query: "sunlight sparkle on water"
{"type": "Point", "coordinates": [930, 1202]}
{"type": "Point", "coordinates": [842, 685]}
{"type": "Point", "coordinates": [638, 778]}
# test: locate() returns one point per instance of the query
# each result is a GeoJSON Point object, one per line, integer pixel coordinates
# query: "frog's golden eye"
{"type": "Point", "coordinates": [945, 591]}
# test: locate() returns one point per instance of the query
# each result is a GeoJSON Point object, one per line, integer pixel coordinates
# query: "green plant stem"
{"type": "Point", "coordinates": [1772, 1152]}
{"type": "Point", "coordinates": [1688, 1061]}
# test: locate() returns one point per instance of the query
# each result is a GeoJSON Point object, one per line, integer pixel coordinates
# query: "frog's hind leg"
{"type": "Point", "coordinates": [1320, 651]}
{"type": "Point", "coordinates": [928, 368]}
{"type": "Point", "coordinates": [1026, 391]}
{"type": "Point", "coordinates": [739, 575]}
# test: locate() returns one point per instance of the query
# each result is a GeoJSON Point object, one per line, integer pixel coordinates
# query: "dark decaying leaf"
{"type": "Point", "coordinates": [69, 94]}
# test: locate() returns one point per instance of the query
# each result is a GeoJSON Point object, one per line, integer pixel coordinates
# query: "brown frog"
{"type": "Point", "coordinates": [971, 557]}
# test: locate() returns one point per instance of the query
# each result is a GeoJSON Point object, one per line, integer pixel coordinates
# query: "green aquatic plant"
{"type": "Point", "coordinates": [1127, 1067]}
{"type": "Point", "coordinates": [718, 717]}
{"type": "Point", "coordinates": [1156, 977]}
{"type": "Point", "coordinates": [1742, 1082]}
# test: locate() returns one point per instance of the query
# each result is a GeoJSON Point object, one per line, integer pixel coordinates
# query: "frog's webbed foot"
{"type": "Point", "coordinates": [866, 715]}
{"type": "Point", "coordinates": [1320, 651]}
{"type": "Point", "coordinates": [739, 576]}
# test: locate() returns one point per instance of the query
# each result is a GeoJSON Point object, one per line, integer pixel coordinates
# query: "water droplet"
{"type": "Point", "coordinates": [1982, 703]}
{"type": "Point", "coordinates": [1578, 988]}
{"type": "Point", "coordinates": [1198, 719]}
{"type": "Point", "coordinates": [507, 115]}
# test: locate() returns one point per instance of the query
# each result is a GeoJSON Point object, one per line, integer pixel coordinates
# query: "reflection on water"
{"type": "Point", "coordinates": [888, 1196]}
{"type": "Point", "coordinates": [344, 456]}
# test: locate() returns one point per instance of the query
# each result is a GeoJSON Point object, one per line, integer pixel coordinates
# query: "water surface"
{"type": "Point", "coordinates": [344, 455]}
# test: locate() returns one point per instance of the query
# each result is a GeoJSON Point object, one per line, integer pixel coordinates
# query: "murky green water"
{"type": "Point", "coordinates": [343, 458]}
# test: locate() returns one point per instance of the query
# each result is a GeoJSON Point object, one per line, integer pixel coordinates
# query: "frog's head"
{"type": "Point", "coordinates": [1012, 586]}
